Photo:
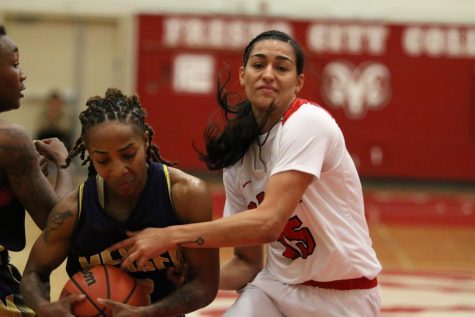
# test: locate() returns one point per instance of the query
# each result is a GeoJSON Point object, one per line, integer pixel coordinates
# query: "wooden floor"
{"type": "Point", "coordinates": [419, 248]}
{"type": "Point", "coordinates": [407, 239]}
{"type": "Point", "coordinates": [425, 248]}
{"type": "Point", "coordinates": [424, 237]}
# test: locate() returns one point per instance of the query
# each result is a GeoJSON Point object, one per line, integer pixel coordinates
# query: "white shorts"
{"type": "Point", "coordinates": [265, 296]}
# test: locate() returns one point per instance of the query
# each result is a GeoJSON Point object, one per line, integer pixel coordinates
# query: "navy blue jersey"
{"type": "Point", "coordinates": [12, 224]}
{"type": "Point", "coordinates": [96, 230]}
{"type": "Point", "coordinates": [12, 237]}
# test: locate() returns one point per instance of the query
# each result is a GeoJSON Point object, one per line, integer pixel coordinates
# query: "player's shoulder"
{"type": "Point", "coordinates": [12, 133]}
{"type": "Point", "coordinates": [191, 197]}
{"type": "Point", "coordinates": [16, 146]}
{"type": "Point", "coordinates": [313, 110]}
{"type": "Point", "coordinates": [309, 116]}
{"type": "Point", "coordinates": [184, 183]}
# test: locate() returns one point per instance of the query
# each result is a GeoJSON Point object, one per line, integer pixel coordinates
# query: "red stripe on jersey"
{"type": "Point", "coordinates": [293, 107]}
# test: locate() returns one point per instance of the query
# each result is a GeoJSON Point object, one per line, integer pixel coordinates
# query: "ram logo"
{"type": "Point", "coordinates": [356, 89]}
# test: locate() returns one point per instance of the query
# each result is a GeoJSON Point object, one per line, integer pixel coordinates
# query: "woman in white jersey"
{"type": "Point", "coordinates": [291, 184]}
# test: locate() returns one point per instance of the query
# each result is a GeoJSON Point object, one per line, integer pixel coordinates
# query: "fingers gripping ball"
{"type": "Point", "coordinates": [103, 281]}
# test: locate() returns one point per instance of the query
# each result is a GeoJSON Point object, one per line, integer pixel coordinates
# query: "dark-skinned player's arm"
{"type": "Point", "coordinates": [192, 202]}
{"type": "Point", "coordinates": [48, 252]}
{"type": "Point", "coordinates": [261, 225]}
{"type": "Point", "coordinates": [19, 163]}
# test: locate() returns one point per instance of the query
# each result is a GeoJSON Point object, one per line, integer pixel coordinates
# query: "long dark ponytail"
{"type": "Point", "coordinates": [226, 146]}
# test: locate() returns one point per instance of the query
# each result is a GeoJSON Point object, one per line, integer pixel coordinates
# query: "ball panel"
{"type": "Point", "coordinates": [85, 308]}
{"type": "Point", "coordinates": [90, 283]}
{"type": "Point", "coordinates": [137, 296]}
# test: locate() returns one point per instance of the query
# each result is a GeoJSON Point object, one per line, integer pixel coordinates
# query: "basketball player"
{"type": "Point", "coordinates": [130, 187]}
{"type": "Point", "coordinates": [291, 184]}
{"type": "Point", "coordinates": [22, 182]}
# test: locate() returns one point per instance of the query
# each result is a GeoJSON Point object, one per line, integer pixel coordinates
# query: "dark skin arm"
{"type": "Point", "coordinates": [193, 204]}
{"type": "Point", "coordinates": [48, 252]}
{"type": "Point", "coordinates": [19, 166]}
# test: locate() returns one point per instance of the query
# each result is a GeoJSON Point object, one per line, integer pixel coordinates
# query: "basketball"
{"type": "Point", "coordinates": [103, 281]}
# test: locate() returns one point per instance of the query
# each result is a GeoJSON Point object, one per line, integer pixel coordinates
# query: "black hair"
{"type": "Point", "coordinates": [281, 36]}
{"type": "Point", "coordinates": [2, 30]}
{"type": "Point", "coordinates": [226, 146]}
{"type": "Point", "coordinates": [114, 106]}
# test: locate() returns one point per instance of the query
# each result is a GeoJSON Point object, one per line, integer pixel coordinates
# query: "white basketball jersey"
{"type": "Point", "coordinates": [327, 237]}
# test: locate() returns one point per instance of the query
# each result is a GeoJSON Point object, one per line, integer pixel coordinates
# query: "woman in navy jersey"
{"type": "Point", "coordinates": [23, 186]}
{"type": "Point", "coordinates": [129, 188]}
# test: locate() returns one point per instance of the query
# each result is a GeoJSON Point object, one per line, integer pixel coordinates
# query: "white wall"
{"type": "Point", "coordinates": [453, 11]}
{"type": "Point", "coordinates": [80, 57]}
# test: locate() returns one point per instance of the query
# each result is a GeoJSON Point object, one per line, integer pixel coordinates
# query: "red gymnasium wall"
{"type": "Point", "coordinates": [404, 95]}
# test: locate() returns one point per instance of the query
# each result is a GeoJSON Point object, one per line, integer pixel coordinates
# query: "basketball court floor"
{"type": "Point", "coordinates": [424, 237]}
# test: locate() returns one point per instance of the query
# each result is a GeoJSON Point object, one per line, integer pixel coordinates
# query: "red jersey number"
{"type": "Point", "coordinates": [298, 242]}
{"type": "Point", "coordinates": [259, 197]}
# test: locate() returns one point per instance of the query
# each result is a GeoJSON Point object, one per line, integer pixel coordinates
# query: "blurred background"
{"type": "Point", "coordinates": [398, 76]}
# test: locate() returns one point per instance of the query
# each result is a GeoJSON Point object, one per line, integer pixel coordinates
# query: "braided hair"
{"type": "Point", "coordinates": [115, 106]}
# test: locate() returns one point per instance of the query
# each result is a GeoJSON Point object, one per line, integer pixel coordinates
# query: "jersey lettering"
{"type": "Point", "coordinates": [167, 259]}
{"type": "Point", "coordinates": [298, 241]}
{"type": "Point", "coordinates": [259, 197]}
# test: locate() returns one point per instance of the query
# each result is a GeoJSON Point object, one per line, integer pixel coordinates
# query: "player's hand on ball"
{"type": "Point", "coordinates": [61, 307]}
{"type": "Point", "coordinates": [122, 310]}
{"type": "Point", "coordinates": [144, 245]}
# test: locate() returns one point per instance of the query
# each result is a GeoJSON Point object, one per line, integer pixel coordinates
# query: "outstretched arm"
{"type": "Point", "coordinates": [251, 227]}
{"type": "Point", "coordinates": [48, 252]}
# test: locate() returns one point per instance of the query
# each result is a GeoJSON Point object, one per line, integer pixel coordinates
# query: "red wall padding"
{"type": "Point", "coordinates": [425, 129]}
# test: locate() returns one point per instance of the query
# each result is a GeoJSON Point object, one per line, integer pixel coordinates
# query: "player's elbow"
{"type": "Point", "coordinates": [207, 294]}
{"type": "Point", "coordinates": [214, 287]}
{"type": "Point", "coordinates": [210, 296]}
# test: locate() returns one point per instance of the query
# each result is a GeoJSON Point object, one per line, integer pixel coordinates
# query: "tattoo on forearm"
{"type": "Point", "coordinates": [198, 241]}
{"type": "Point", "coordinates": [55, 220]}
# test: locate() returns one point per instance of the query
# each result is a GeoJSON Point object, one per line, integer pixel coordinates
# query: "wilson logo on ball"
{"type": "Point", "coordinates": [88, 278]}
